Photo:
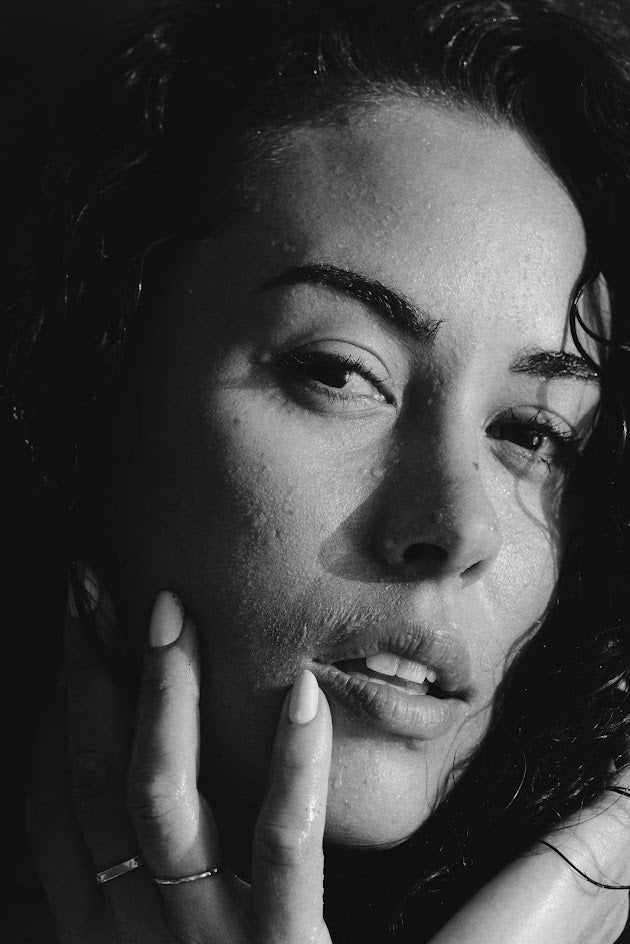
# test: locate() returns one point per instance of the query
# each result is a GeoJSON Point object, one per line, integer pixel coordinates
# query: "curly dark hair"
{"type": "Point", "coordinates": [153, 148]}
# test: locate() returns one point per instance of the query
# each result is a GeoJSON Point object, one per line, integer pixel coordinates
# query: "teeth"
{"type": "Point", "coordinates": [375, 681]}
{"type": "Point", "coordinates": [388, 664]}
{"type": "Point", "coordinates": [385, 662]}
{"type": "Point", "coordinates": [367, 678]}
{"type": "Point", "coordinates": [412, 671]}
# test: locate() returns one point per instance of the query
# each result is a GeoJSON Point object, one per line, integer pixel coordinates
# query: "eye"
{"type": "Point", "coordinates": [538, 436]}
{"type": "Point", "coordinates": [529, 437]}
{"type": "Point", "coordinates": [338, 375]}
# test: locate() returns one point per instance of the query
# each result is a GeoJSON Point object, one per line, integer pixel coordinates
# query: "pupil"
{"type": "Point", "coordinates": [331, 376]}
{"type": "Point", "coordinates": [532, 440]}
{"type": "Point", "coordinates": [528, 438]}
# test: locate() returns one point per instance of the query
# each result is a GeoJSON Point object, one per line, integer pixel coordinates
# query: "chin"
{"type": "Point", "coordinates": [378, 794]}
{"type": "Point", "coordinates": [367, 830]}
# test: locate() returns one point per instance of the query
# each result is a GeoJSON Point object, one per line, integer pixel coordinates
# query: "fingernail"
{"type": "Point", "coordinates": [304, 698]}
{"type": "Point", "coordinates": [167, 620]}
{"type": "Point", "coordinates": [91, 590]}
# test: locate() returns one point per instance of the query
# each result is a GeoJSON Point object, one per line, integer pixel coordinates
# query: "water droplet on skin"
{"type": "Point", "coordinates": [336, 781]}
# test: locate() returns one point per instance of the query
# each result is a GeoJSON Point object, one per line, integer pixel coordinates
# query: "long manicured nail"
{"type": "Point", "coordinates": [91, 590]}
{"type": "Point", "coordinates": [304, 698]}
{"type": "Point", "coordinates": [167, 620]}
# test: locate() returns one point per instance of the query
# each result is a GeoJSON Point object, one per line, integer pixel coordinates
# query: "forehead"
{"type": "Point", "coordinates": [456, 211]}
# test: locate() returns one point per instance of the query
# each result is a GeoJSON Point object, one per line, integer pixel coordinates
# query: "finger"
{"type": "Point", "coordinates": [99, 726]}
{"type": "Point", "coordinates": [176, 829]}
{"type": "Point", "coordinates": [162, 788]}
{"type": "Point", "coordinates": [288, 861]}
{"type": "Point", "coordinates": [61, 858]}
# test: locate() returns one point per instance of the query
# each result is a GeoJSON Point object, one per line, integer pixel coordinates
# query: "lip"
{"type": "Point", "coordinates": [441, 648]}
{"type": "Point", "coordinates": [386, 707]}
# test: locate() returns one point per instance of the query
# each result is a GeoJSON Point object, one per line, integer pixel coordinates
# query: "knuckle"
{"type": "Point", "coordinates": [167, 675]}
{"type": "Point", "coordinates": [156, 683]}
{"type": "Point", "coordinates": [292, 762]}
{"type": "Point", "coordinates": [280, 844]}
{"type": "Point", "coordinates": [90, 772]}
{"type": "Point", "coordinates": [152, 799]}
{"type": "Point", "coordinates": [162, 684]}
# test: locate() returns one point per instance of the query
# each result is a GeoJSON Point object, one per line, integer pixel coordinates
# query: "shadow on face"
{"type": "Point", "coordinates": [360, 404]}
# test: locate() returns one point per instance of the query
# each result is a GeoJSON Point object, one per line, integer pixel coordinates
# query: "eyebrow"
{"type": "Point", "coordinates": [413, 322]}
{"type": "Point", "coordinates": [549, 365]}
{"type": "Point", "coordinates": [395, 308]}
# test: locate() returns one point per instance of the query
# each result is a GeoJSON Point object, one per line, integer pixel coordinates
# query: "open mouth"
{"type": "Point", "coordinates": [411, 678]}
{"type": "Point", "coordinates": [377, 689]}
{"type": "Point", "coordinates": [402, 678]}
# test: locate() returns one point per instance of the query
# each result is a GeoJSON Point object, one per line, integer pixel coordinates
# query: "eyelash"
{"type": "Point", "coordinates": [295, 369]}
{"type": "Point", "coordinates": [568, 443]}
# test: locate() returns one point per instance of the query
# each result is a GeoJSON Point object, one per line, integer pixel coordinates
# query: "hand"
{"type": "Point", "coordinates": [540, 899]}
{"type": "Point", "coordinates": [154, 807]}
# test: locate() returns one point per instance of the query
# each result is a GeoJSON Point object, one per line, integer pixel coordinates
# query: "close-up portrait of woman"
{"type": "Point", "coordinates": [316, 382]}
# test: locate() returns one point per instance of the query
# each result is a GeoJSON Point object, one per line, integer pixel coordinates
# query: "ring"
{"type": "Point", "coordinates": [127, 866]}
{"type": "Point", "coordinates": [209, 873]}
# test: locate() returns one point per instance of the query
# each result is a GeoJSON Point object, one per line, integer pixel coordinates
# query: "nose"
{"type": "Point", "coordinates": [440, 521]}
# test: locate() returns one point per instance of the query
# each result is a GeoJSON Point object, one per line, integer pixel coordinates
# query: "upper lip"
{"type": "Point", "coordinates": [441, 648]}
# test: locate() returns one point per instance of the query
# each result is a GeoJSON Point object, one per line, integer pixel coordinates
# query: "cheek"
{"type": "Point", "coordinates": [514, 597]}
{"type": "Point", "coordinates": [230, 515]}
{"type": "Point", "coordinates": [534, 525]}
{"type": "Point", "coordinates": [253, 506]}
{"type": "Point", "coordinates": [526, 570]}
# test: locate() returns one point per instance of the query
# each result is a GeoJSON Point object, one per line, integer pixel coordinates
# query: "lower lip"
{"type": "Point", "coordinates": [388, 708]}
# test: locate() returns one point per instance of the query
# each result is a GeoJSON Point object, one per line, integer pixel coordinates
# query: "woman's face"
{"type": "Point", "coordinates": [359, 401]}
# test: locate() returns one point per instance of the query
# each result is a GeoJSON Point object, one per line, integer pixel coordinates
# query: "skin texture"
{"type": "Point", "coordinates": [278, 514]}
{"type": "Point", "coordinates": [134, 786]}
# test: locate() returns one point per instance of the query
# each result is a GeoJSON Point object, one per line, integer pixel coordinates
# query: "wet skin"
{"type": "Point", "coordinates": [287, 494]}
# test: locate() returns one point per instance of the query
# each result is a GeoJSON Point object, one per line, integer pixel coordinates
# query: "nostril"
{"type": "Point", "coordinates": [475, 570]}
{"type": "Point", "coordinates": [431, 555]}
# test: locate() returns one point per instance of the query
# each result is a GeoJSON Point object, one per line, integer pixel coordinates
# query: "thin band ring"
{"type": "Point", "coordinates": [195, 877]}
{"type": "Point", "coordinates": [116, 870]}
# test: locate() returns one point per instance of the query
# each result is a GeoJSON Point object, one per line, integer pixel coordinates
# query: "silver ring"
{"type": "Point", "coordinates": [127, 866]}
{"type": "Point", "coordinates": [209, 873]}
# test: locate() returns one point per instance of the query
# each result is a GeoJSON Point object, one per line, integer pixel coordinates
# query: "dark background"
{"type": "Point", "coordinates": [38, 41]}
